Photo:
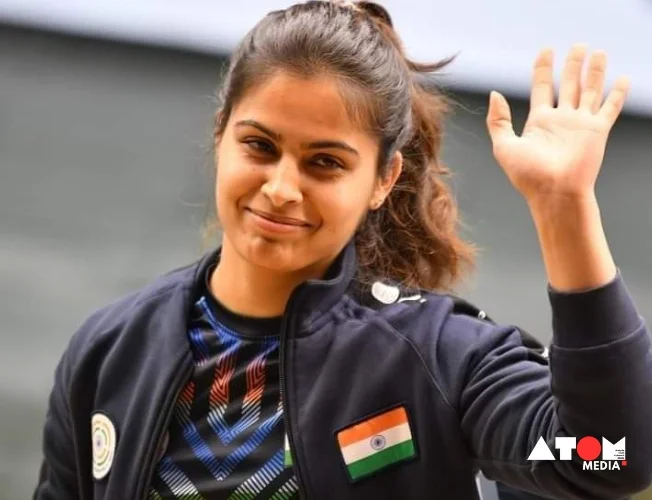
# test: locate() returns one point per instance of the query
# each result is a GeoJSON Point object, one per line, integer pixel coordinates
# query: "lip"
{"type": "Point", "coordinates": [276, 223]}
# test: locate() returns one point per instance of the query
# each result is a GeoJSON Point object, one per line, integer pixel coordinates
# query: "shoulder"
{"type": "Point", "coordinates": [426, 317]}
{"type": "Point", "coordinates": [455, 340]}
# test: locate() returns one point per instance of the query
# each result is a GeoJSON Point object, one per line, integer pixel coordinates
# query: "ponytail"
{"type": "Point", "coordinates": [414, 236]}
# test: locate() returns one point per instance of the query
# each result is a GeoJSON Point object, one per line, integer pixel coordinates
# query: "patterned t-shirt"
{"type": "Point", "coordinates": [226, 438]}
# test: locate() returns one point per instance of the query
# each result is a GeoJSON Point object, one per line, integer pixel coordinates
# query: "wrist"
{"type": "Point", "coordinates": [549, 207]}
{"type": "Point", "coordinates": [574, 247]}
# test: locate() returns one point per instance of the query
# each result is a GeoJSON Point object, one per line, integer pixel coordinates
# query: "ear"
{"type": "Point", "coordinates": [385, 184]}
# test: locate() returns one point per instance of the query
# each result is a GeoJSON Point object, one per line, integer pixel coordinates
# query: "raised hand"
{"type": "Point", "coordinates": [561, 149]}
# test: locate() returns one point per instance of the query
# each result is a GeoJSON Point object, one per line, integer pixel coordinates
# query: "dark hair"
{"type": "Point", "coordinates": [413, 237]}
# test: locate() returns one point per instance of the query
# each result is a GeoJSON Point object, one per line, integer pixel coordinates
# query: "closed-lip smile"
{"type": "Point", "coordinates": [279, 219]}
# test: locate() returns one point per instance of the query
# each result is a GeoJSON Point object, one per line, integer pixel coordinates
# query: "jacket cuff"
{"type": "Point", "coordinates": [594, 317]}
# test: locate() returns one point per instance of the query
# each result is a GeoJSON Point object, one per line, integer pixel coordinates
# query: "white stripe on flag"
{"type": "Point", "coordinates": [363, 448]}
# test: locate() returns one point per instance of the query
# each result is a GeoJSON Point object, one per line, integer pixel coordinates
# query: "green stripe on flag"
{"type": "Point", "coordinates": [381, 459]}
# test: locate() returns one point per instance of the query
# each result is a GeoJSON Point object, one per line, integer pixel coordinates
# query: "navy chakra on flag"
{"type": "Point", "coordinates": [378, 442]}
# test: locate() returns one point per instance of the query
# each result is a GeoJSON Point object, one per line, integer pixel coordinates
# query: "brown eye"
{"type": "Point", "coordinates": [327, 162]}
{"type": "Point", "coordinates": [260, 146]}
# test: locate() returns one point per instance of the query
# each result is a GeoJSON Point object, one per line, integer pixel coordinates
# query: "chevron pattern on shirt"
{"type": "Point", "coordinates": [226, 435]}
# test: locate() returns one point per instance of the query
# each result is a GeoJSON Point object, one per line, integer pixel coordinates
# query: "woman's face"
{"type": "Point", "coordinates": [295, 174]}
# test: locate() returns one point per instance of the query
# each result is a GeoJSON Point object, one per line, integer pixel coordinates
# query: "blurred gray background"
{"type": "Point", "coordinates": [105, 182]}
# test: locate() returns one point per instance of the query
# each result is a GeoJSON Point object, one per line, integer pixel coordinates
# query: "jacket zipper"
{"type": "Point", "coordinates": [284, 399]}
{"type": "Point", "coordinates": [161, 425]}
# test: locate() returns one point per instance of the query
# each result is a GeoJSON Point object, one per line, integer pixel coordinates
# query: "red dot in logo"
{"type": "Point", "coordinates": [588, 448]}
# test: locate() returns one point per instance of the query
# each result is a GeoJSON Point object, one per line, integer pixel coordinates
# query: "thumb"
{"type": "Point", "coordinates": [499, 118]}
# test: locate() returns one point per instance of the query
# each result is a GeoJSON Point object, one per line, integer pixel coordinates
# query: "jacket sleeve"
{"type": "Point", "coordinates": [598, 383]}
{"type": "Point", "coordinates": [58, 474]}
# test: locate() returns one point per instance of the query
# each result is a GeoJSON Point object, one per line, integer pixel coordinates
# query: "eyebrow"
{"type": "Point", "coordinates": [313, 145]}
{"type": "Point", "coordinates": [259, 126]}
{"type": "Point", "coordinates": [333, 145]}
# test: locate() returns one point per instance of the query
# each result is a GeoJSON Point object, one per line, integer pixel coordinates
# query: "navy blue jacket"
{"type": "Point", "coordinates": [477, 398]}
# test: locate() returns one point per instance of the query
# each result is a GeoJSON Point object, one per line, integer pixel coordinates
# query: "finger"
{"type": "Point", "coordinates": [615, 101]}
{"type": "Point", "coordinates": [499, 118]}
{"type": "Point", "coordinates": [543, 93]}
{"type": "Point", "coordinates": [591, 98]}
{"type": "Point", "coordinates": [569, 90]}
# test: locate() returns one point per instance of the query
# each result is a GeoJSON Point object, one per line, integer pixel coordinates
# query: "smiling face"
{"type": "Point", "coordinates": [295, 175]}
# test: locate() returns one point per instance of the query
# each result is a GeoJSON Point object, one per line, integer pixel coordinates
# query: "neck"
{"type": "Point", "coordinates": [251, 290]}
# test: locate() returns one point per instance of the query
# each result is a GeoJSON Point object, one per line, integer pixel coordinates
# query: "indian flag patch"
{"type": "Point", "coordinates": [376, 443]}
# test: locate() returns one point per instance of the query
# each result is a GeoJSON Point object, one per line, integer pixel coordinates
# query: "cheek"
{"type": "Point", "coordinates": [229, 188]}
{"type": "Point", "coordinates": [344, 206]}
{"type": "Point", "coordinates": [234, 179]}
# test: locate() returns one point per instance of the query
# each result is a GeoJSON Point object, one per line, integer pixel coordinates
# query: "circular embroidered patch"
{"type": "Point", "coordinates": [104, 441]}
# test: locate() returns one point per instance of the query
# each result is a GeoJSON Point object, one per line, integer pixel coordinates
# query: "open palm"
{"type": "Point", "coordinates": [561, 148]}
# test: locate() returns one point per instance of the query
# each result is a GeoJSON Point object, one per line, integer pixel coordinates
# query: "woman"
{"type": "Point", "coordinates": [309, 355]}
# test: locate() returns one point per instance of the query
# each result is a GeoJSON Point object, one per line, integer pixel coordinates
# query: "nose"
{"type": "Point", "coordinates": [282, 185]}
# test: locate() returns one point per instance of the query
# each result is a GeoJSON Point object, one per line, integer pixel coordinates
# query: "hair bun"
{"type": "Point", "coordinates": [375, 11]}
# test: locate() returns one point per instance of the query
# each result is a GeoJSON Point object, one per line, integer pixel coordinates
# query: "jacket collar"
{"type": "Point", "coordinates": [314, 298]}
{"type": "Point", "coordinates": [310, 300]}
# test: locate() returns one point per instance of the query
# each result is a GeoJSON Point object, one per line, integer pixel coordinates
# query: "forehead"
{"type": "Point", "coordinates": [296, 105]}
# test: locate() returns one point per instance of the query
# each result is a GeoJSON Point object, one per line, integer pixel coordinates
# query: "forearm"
{"type": "Point", "coordinates": [573, 243]}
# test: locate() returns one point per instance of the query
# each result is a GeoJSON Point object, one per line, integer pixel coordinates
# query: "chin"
{"type": "Point", "coordinates": [275, 255]}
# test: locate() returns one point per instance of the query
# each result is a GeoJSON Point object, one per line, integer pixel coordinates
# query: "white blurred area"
{"type": "Point", "coordinates": [496, 40]}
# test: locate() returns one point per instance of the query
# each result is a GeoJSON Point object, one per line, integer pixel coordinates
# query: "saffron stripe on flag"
{"type": "Point", "coordinates": [374, 425]}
